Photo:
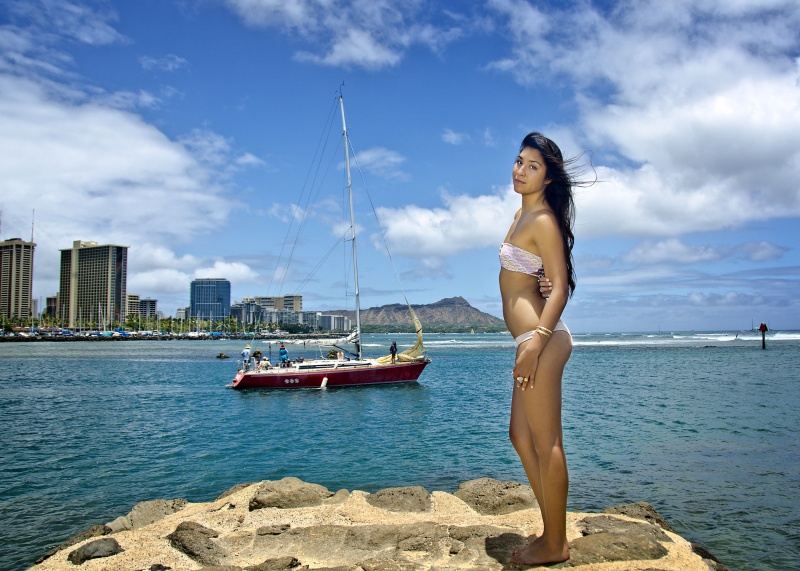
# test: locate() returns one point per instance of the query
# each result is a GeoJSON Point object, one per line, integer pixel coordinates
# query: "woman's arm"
{"type": "Point", "coordinates": [550, 246]}
{"type": "Point", "coordinates": [551, 249]}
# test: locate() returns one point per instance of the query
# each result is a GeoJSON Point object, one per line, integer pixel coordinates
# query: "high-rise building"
{"type": "Point", "coordinates": [16, 278]}
{"type": "Point", "coordinates": [94, 284]}
{"type": "Point", "coordinates": [132, 306]}
{"type": "Point", "coordinates": [210, 298]}
{"type": "Point", "coordinates": [293, 302]}
{"type": "Point", "coordinates": [148, 307]}
{"type": "Point", "coordinates": [51, 308]}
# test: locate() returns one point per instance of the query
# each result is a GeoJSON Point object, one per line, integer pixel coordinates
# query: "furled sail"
{"type": "Point", "coordinates": [321, 341]}
{"type": "Point", "coordinates": [416, 352]}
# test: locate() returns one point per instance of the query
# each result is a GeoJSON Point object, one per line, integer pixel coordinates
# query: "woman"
{"type": "Point", "coordinates": [540, 238]}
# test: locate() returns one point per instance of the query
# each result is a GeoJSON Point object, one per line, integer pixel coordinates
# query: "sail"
{"type": "Point", "coordinates": [321, 341]}
{"type": "Point", "coordinates": [416, 352]}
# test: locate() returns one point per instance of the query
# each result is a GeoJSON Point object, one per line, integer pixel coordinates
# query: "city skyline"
{"type": "Point", "coordinates": [186, 129]}
{"type": "Point", "coordinates": [16, 263]}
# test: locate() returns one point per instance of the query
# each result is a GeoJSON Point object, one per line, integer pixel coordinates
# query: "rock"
{"type": "Point", "coordinates": [96, 549]}
{"type": "Point", "coordinates": [339, 497]}
{"type": "Point", "coordinates": [641, 510]}
{"type": "Point", "coordinates": [605, 547]}
{"type": "Point", "coordinates": [233, 490]}
{"type": "Point", "coordinates": [397, 529]}
{"type": "Point", "coordinates": [145, 513]}
{"type": "Point", "coordinates": [278, 564]}
{"type": "Point", "coordinates": [377, 564]}
{"type": "Point", "coordinates": [288, 493]}
{"type": "Point", "coordinates": [607, 524]}
{"type": "Point", "coordinates": [94, 531]}
{"type": "Point", "coordinates": [492, 497]}
{"type": "Point", "coordinates": [194, 540]}
{"type": "Point", "coordinates": [409, 499]}
{"type": "Point", "coordinates": [606, 538]}
{"type": "Point", "coordinates": [272, 529]}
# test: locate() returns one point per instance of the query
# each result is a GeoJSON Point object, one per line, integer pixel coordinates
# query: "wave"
{"type": "Point", "coordinates": [653, 339]}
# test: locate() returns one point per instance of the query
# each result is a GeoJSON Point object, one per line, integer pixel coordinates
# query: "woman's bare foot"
{"type": "Point", "coordinates": [525, 547]}
{"type": "Point", "coordinates": [540, 553]}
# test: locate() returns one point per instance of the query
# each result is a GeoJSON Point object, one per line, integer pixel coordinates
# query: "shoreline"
{"type": "Point", "coordinates": [291, 524]}
{"type": "Point", "coordinates": [93, 338]}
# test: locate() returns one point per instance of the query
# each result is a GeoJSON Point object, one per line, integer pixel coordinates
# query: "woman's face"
{"type": "Point", "coordinates": [530, 173]}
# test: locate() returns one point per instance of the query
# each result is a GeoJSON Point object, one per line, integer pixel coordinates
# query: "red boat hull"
{"type": "Point", "coordinates": [291, 378]}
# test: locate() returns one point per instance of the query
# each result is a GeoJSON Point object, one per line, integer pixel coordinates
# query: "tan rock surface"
{"type": "Point", "coordinates": [346, 532]}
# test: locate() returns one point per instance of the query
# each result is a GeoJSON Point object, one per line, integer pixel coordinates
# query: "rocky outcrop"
{"type": "Point", "coordinates": [96, 549]}
{"type": "Point", "coordinates": [293, 525]}
{"type": "Point", "coordinates": [145, 513]}
{"type": "Point", "coordinates": [491, 497]}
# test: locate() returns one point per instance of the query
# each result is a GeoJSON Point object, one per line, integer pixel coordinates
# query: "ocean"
{"type": "Point", "coordinates": [702, 425]}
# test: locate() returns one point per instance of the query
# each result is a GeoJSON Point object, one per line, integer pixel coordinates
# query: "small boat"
{"type": "Point", "coordinates": [337, 370]}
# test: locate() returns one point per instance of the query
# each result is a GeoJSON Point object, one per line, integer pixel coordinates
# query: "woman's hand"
{"type": "Point", "coordinates": [527, 361]}
{"type": "Point", "coordinates": [545, 286]}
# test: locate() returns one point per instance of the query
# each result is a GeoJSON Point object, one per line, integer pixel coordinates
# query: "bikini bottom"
{"type": "Point", "coordinates": [528, 335]}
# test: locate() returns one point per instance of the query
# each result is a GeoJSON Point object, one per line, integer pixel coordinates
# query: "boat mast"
{"type": "Point", "coordinates": [352, 227]}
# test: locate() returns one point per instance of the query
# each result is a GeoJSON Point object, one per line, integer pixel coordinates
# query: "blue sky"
{"type": "Point", "coordinates": [186, 130]}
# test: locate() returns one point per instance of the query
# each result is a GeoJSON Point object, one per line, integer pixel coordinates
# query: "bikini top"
{"type": "Point", "coordinates": [515, 259]}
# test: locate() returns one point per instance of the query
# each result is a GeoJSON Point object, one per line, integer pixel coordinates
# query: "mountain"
{"type": "Point", "coordinates": [450, 315]}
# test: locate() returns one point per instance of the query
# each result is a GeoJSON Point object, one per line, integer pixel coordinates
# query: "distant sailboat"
{"type": "Point", "coordinates": [339, 371]}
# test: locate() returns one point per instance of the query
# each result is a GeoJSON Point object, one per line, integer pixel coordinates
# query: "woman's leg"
{"type": "Point", "coordinates": [522, 439]}
{"type": "Point", "coordinates": [546, 465]}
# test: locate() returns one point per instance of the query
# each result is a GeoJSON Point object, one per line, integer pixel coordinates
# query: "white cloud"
{"type": "Point", "coordinates": [451, 137]}
{"type": "Point", "coordinates": [232, 271]}
{"type": "Point", "coordinates": [97, 173]}
{"type": "Point", "coordinates": [169, 62]}
{"type": "Point", "coordinates": [382, 162]}
{"type": "Point", "coordinates": [286, 212]}
{"type": "Point", "coordinates": [157, 257]}
{"type": "Point", "coordinates": [248, 159]}
{"type": "Point", "coordinates": [761, 251]}
{"type": "Point", "coordinates": [465, 222]}
{"type": "Point", "coordinates": [372, 34]}
{"type": "Point", "coordinates": [127, 100]}
{"type": "Point", "coordinates": [356, 47]}
{"type": "Point", "coordinates": [160, 281]}
{"type": "Point", "coordinates": [70, 19]}
{"type": "Point", "coordinates": [672, 250]}
{"type": "Point", "coordinates": [695, 106]}
{"type": "Point", "coordinates": [677, 252]}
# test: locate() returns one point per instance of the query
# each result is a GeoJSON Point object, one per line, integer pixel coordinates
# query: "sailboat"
{"type": "Point", "coordinates": [339, 371]}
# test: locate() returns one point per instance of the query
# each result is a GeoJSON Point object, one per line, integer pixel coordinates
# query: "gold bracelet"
{"type": "Point", "coordinates": [545, 329]}
{"type": "Point", "coordinates": [542, 331]}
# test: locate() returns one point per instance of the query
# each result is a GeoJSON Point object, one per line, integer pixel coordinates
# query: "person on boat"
{"type": "Point", "coordinates": [283, 354]}
{"type": "Point", "coordinates": [246, 356]}
{"type": "Point", "coordinates": [540, 236]}
{"type": "Point", "coordinates": [393, 350]}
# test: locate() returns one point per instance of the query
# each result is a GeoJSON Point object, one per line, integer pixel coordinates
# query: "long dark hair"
{"type": "Point", "coordinates": [558, 193]}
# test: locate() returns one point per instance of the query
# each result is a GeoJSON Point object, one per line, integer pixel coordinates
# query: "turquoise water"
{"type": "Point", "coordinates": [703, 426]}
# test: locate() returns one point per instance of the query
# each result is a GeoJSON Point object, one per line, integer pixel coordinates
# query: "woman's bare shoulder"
{"type": "Point", "coordinates": [544, 219]}
{"type": "Point", "coordinates": [538, 220]}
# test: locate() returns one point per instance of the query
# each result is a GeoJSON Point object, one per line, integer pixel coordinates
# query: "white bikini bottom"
{"type": "Point", "coordinates": [560, 326]}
